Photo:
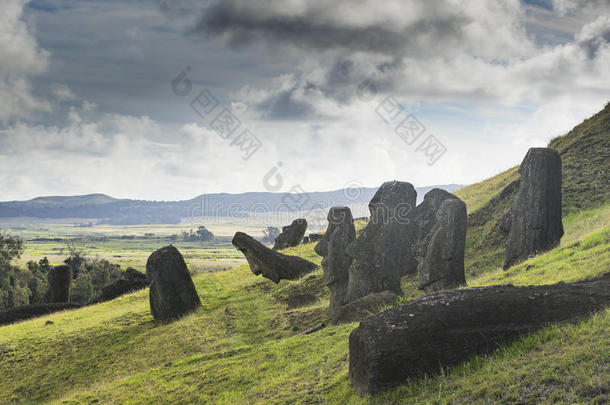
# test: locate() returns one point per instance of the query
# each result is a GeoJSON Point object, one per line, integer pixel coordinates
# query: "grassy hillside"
{"type": "Point", "coordinates": [585, 154]}
{"type": "Point", "coordinates": [241, 346]}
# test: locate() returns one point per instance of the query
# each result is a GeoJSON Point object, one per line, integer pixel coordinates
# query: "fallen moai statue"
{"type": "Point", "coordinates": [17, 314]}
{"type": "Point", "coordinates": [60, 284]}
{"type": "Point", "coordinates": [172, 292]}
{"type": "Point", "coordinates": [270, 264]}
{"type": "Point", "coordinates": [449, 327]}
{"type": "Point", "coordinates": [534, 222]}
{"type": "Point", "coordinates": [292, 235]}
{"type": "Point", "coordinates": [133, 281]}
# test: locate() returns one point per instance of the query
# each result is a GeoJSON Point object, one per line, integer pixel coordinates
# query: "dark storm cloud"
{"type": "Point", "coordinates": [309, 29]}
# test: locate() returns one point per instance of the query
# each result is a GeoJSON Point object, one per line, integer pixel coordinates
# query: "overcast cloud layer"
{"type": "Point", "coordinates": [90, 106]}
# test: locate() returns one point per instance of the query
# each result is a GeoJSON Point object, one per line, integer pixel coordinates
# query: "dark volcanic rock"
{"type": "Point", "coordinates": [443, 264]}
{"type": "Point", "coordinates": [60, 284]}
{"type": "Point", "coordinates": [364, 307]}
{"type": "Point", "coordinates": [272, 265]}
{"type": "Point", "coordinates": [291, 235]}
{"type": "Point", "coordinates": [383, 251]}
{"type": "Point", "coordinates": [535, 215]}
{"type": "Point", "coordinates": [332, 247]}
{"type": "Point", "coordinates": [16, 314]}
{"type": "Point", "coordinates": [425, 218]}
{"type": "Point", "coordinates": [446, 328]}
{"type": "Point", "coordinates": [314, 237]}
{"type": "Point", "coordinates": [172, 292]}
{"type": "Point", "coordinates": [133, 281]}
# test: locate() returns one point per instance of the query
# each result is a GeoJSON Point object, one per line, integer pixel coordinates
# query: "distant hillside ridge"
{"type": "Point", "coordinates": [128, 212]}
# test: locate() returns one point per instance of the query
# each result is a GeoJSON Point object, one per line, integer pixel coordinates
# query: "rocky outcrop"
{"type": "Point", "coordinates": [292, 235]}
{"type": "Point", "coordinates": [60, 284]}
{"type": "Point", "coordinates": [443, 264]}
{"type": "Point", "coordinates": [335, 263]}
{"type": "Point", "coordinates": [270, 264]}
{"type": "Point", "coordinates": [383, 250]}
{"type": "Point", "coordinates": [534, 221]}
{"type": "Point", "coordinates": [445, 328]}
{"type": "Point", "coordinates": [172, 292]}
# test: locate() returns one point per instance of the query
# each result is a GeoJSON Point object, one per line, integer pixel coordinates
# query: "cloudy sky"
{"type": "Point", "coordinates": [169, 99]}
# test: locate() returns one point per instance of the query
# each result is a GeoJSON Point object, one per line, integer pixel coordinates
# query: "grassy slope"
{"type": "Point", "coordinates": [240, 347]}
{"type": "Point", "coordinates": [585, 154]}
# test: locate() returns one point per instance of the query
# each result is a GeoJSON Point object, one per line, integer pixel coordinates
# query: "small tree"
{"type": "Point", "coordinates": [77, 259]}
{"type": "Point", "coordinates": [270, 234]}
{"type": "Point", "coordinates": [203, 234]}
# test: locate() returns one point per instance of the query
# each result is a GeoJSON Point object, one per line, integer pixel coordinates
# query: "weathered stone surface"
{"type": "Point", "coordinates": [314, 237]}
{"type": "Point", "coordinates": [291, 235]}
{"type": "Point", "coordinates": [443, 264]}
{"type": "Point", "coordinates": [16, 314]}
{"type": "Point", "coordinates": [535, 216]}
{"type": "Point", "coordinates": [364, 307]}
{"type": "Point", "coordinates": [425, 218]}
{"type": "Point", "coordinates": [332, 247]}
{"type": "Point", "coordinates": [383, 251]}
{"type": "Point", "coordinates": [133, 281]}
{"type": "Point", "coordinates": [449, 327]}
{"type": "Point", "coordinates": [60, 284]}
{"type": "Point", "coordinates": [270, 264]}
{"type": "Point", "coordinates": [172, 292]}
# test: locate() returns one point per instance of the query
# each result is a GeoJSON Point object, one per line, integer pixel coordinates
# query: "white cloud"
{"type": "Point", "coordinates": [20, 58]}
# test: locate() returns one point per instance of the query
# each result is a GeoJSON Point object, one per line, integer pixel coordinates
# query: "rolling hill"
{"type": "Point", "coordinates": [130, 212]}
{"type": "Point", "coordinates": [241, 346]}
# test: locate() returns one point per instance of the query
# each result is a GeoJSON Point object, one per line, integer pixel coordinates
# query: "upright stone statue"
{"type": "Point", "coordinates": [292, 235]}
{"type": "Point", "coordinates": [425, 219]}
{"type": "Point", "coordinates": [172, 292]}
{"type": "Point", "coordinates": [443, 264]}
{"type": "Point", "coordinates": [383, 251]}
{"type": "Point", "coordinates": [335, 263]}
{"type": "Point", "coordinates": [534, 220]}
{"type": "Point", "coordinates": [60, 284]}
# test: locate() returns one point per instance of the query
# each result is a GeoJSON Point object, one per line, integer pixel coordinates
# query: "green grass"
{"type": "Point", "coordinates": [585, 154]}
{"type": "Point", "coordinates": [241, 348]}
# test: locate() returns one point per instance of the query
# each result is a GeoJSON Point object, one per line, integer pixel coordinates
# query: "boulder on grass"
{"type": "Point", "coordinates": [443, 329]}
{"type": "Point", "coordinates": [534, 220]}
{"type": "Point", "coordinates": [292, 235]}
{"type": "Point", "coordinates": [60, 285]}
{"type": "Point", "coordinates": [270, 264]}
{"type": "Point", "coordinates": [172, 292]}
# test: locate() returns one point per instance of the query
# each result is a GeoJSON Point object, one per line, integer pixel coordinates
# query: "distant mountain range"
{"type": "Point", "coordinates": [105, 209]}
